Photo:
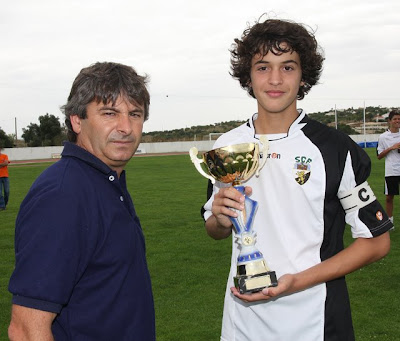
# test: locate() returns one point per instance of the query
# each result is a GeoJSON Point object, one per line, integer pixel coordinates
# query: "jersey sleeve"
{"type": "Point", "coordinates": [366, 221]}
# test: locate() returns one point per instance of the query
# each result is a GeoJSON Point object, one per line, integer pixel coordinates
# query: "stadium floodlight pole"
{"type": "Point", "coordinates": [335, 117]}
{"type": "Point", "coordinates": [15, 125]}
{"type": "Point", "coordinates": [365, 137]}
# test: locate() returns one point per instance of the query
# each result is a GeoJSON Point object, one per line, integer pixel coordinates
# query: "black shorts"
{"type": "Point", "coordinates": [392, 185]}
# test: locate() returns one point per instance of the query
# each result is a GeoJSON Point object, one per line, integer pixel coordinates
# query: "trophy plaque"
{"type": "Point", "coordinates": [235, 164]}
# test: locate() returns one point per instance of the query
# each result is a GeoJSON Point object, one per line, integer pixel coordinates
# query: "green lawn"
{"type": "Point", "coordinates": [188, 268]}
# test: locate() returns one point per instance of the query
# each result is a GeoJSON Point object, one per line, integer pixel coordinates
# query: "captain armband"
{"type": "Point", "coordinates": [357, 197]}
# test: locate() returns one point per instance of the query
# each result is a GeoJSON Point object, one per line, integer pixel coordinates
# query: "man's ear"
{"type": "Point", "coordinates": [76, 123]}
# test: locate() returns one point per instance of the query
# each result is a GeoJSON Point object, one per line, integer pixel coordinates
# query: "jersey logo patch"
{"type": "Point", "coordinates": [301, 172]}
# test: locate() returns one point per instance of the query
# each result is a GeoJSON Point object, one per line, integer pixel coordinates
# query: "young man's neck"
{"type": "Point", "coordinates": [274, 123]}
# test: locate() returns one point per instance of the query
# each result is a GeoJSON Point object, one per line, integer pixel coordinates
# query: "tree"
{"type": "Point", "coordinates": [31, 135]}
{"type": "Point", "coordinates": [47, 133]}
{"type": "Point", "coordinates": [347, 129]}
{"type": "Point", "coordinates": [5, 140]}
{"type": "Point", "coordinates": [50, 128]}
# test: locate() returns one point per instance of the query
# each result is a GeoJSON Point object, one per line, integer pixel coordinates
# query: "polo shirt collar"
{"type": "Point", "coordinates": [73, 150]}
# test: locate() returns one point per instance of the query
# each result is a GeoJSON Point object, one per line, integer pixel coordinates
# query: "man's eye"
{"type": "Point", "coordinates": [288, 68]}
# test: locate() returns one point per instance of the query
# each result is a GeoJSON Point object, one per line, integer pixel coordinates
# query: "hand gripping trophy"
{"type": "Point", "coordinates": [234, 164]}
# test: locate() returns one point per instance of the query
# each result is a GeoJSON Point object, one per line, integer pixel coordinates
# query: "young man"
{"type": "Point", "coordinates": [301, 219]}
{"type": "Point", "coordinates": [388, 148]}
{"type": "Point", "coordinates": [4, 180]}
{"type": "Point", "coordinates": [81, 272]}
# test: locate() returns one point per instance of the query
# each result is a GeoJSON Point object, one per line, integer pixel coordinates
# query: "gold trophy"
{"type": "Point", "coordinates": [234, 164]}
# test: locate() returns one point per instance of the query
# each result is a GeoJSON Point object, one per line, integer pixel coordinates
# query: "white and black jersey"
{"type": "Point", "coordinates": [392, 159]}
{"type": "Point", "coordinates": [299, 223]}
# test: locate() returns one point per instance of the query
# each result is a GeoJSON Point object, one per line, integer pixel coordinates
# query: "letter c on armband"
{"type": "Point", "coordinates": [356, 198]}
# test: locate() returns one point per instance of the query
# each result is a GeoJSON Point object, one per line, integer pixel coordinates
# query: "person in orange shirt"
{"type": "Point", "coordinates": [4, 180]}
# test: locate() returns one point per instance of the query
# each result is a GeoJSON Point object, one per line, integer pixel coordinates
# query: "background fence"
{"type": "Point", "coordinates": [39, 153]}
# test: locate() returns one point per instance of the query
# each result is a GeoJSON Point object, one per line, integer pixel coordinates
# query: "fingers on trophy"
{"type": "Point", "coordinates": [235, 164]}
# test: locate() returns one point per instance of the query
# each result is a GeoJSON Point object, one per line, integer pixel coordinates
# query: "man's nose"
{"type": "Point", "coordinates": [124, 124]}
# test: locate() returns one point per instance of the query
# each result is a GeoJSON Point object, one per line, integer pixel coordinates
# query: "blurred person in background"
{"type": "Point", "coordinates": [4, 180]}
{"type": "Point", "coordinates": [388, 149]}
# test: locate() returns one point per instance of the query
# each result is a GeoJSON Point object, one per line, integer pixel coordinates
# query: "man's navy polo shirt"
{"type": "Point", "coordinates": [80, 253]}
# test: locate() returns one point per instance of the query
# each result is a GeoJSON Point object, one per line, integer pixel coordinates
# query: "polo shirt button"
{"type": "Point", "coordinates": [121, 198]}
{"type": "Point", "coordinates": [111, 178]}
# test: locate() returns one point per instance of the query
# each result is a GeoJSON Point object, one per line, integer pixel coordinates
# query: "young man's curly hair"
{"type": "Point", "coordinates": [277, 36]}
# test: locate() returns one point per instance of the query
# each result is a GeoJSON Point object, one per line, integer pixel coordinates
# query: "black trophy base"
{"type": "Point", "coordinates": [255, 283]}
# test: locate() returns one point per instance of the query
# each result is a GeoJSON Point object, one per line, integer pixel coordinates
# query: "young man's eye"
{"type": "Point", "coordinates": [288, 68]}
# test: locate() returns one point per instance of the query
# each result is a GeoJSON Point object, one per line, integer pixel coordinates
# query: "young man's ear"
{"type": "Point", "coordinates": [76, 123]}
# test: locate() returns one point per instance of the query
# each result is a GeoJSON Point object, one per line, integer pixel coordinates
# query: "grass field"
{"type": "Point", "coordinates": [189, 269]}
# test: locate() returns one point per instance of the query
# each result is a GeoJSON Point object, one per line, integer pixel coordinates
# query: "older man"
{"type": "Point", "coordinates": [81, 272]}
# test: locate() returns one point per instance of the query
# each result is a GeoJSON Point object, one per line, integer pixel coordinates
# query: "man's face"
{"type": "Point", "coordinates": [110, 132]}
{"type": "Point", "coordinates": [394, 123]}
{"type": "Point", "coordinates": [275, 80]}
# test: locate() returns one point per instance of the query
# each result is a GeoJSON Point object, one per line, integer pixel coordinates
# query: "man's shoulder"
{"type": "Point", "coordinates": [385, 134]}
{"type": "Point", "coordinates": [64, 181]}
{"type": "Point", "coordinates": [65, 174]}
{"type": "Point", "coordinates": [388, 138]}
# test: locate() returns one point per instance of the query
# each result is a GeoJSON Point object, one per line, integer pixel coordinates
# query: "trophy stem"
{"type": "Point", "coordinates": [253, 273]}
{"type": "Point", "coordinates": [244, 221]}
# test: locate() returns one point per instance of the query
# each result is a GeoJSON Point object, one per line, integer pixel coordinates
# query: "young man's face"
{"type": "Point", "coordinates": [275, 80]}
{"type": "Point", "coordinates": [111, 133]}
{"type": "Point", "coordinates": [394, 123]}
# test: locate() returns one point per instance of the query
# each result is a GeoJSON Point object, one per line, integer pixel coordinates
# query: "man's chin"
{"type": "Point", "coordinates": [121, 158]}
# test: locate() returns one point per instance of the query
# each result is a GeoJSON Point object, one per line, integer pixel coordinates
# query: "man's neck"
{"type": "Point", "coordinates": [394, 130]}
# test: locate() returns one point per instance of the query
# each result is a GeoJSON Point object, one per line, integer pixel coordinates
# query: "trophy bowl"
{"type": "Point", "coordinates": [233, 165]}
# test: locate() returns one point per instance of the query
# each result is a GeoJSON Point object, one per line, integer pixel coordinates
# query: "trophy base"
{"type": "Point", "coordinates": [255, 283]}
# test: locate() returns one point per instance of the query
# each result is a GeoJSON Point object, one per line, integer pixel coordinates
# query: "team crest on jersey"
{"type": "Point", "coordinates": [302, 169]}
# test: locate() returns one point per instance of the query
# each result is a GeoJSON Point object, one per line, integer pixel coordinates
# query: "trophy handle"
{"type": "Point", "coordinates": [263, 153]}
{"type": "Point", "coordinates": [196, 161]}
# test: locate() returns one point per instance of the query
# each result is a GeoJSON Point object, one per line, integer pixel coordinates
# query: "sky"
{"type": "Point", "coordinates": [183, 46]}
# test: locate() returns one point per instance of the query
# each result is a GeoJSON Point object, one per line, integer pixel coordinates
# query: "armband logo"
{"type": "Point", "coordinates": [379, 215]}
{"type": "Point", "coordinates": [302, 169]}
